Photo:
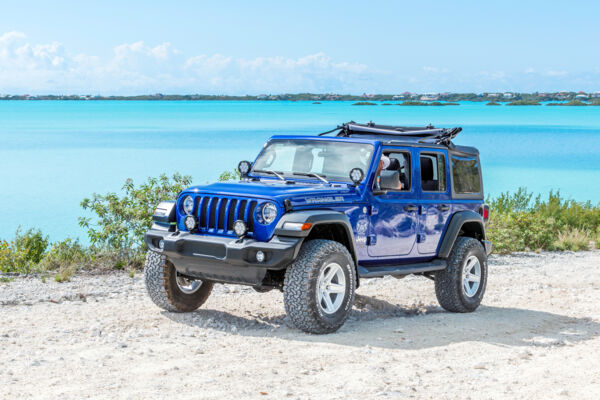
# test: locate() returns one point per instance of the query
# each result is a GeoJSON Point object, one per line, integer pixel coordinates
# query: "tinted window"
{"type": "Point", "coordinates": [433, 172]}
{"type": "Point", "coordinates": [465, 174]}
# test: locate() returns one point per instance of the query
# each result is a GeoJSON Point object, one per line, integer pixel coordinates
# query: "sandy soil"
{"type": "Point", "coordinates": [535, 336]}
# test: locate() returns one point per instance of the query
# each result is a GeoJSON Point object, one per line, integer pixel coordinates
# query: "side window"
{"type": "Point", "coordinates": [433, 172]}
{"type": "Point", "coordinates": [465, 174]}
{"type": "Point", "coordinates": [397, 175]}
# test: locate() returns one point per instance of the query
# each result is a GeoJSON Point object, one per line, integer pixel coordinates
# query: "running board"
{"type": "Point", "coordinates": [404, 269]}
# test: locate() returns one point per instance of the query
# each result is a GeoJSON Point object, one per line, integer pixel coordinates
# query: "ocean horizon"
{"type": "Point", "coordinates": [55, 153]}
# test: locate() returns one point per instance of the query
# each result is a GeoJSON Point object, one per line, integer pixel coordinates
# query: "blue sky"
{"type": "Point", "coordinates": [227, 47]}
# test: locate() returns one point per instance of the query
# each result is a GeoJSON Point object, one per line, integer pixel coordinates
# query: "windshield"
{"type": "Point", "coordinates": [332, 160]}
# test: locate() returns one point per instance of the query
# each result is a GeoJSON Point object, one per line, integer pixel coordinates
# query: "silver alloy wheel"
{"type": "Point", "coordinates": [471, 276]}
{"type": "Point", "coordinates": [331, 288]}
{"type": "Point", "coordinates": [186, 285]}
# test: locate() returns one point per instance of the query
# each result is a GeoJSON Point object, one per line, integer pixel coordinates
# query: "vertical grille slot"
{"type": "Point", "coordinates": [204, 212]}
{"type": "Point", "coordinates": [231, 214]}
{"type": "Point", "coordinates": [241, 214]}
{"type": "Point", "coordinates": [250, 217]}
{"type": "Point", "coordinates": [222, 208]}
{"type": "Point", "coordinates": [212, 213]}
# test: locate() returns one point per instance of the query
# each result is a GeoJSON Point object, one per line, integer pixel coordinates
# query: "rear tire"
{"type": "Point", "coordinates": [461, 286]}
{"type": "Point", "coordinates": [162, 285]}
{"type": "Point", "coordinates": [319, 287]}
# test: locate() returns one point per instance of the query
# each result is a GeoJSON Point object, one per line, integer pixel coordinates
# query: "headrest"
{"type": "Point", "coordinates": [394, 165]}
{"type": "Point", "coordinates": [426, 169]}
{"type": "Point", "coordinates": [389, 180]}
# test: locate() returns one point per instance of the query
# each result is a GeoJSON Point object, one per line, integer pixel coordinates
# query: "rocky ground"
{"type": "Point", "coordinates": [535, 336]}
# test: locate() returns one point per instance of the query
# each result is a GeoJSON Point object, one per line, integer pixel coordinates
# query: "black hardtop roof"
{"type": "Point", "coordinates": [427, 136]}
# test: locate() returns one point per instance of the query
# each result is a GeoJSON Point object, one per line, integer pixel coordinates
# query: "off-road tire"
{"type": "Point", "coordinates": [160, 277]}
{"type": "Point", "coordinates": [300, 286]}
{"type": "Point", "coordinates": [448, 282]}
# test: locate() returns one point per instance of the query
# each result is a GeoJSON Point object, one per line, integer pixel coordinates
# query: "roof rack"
{"type": "Point", "coordinates": [426, 134]}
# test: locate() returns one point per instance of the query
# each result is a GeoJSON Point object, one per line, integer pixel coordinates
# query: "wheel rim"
{"type": "Point", "coordinates": [331, 288]}
{"type": "Point", "coordinates": [186, 285]}
{"type": "Point", "coordinates": [471, 276]}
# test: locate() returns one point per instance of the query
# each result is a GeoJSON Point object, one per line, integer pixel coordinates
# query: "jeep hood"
{"type": "Point", "coordinates": [278, 191]}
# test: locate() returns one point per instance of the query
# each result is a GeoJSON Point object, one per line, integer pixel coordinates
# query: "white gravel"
{"type": "Point", "coordinates": [99, 336]}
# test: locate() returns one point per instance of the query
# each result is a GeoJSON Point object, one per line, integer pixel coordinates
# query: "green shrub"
{"type": "Point", "coordinates": [24, 252]}
{"type": "Point", "coordinates": [574, 240]}
{"type": "Point", "coordinates": [69, 252]}
{"type": "Point", "coordinates": [229, 176]}
{"type": "Point", "coordinates": [520, 223]}
{"type": "Point", "coordinates": [122, 220]}
{"type": "Point", "coordinates": [520, 231]}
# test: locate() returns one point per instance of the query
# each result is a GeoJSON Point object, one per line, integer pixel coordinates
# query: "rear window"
{"type": "Point", "coordinates": [465, 174]}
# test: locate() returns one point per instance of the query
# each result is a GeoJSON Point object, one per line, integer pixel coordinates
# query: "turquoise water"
{"type": "Point", "coordinates": [55, 153]}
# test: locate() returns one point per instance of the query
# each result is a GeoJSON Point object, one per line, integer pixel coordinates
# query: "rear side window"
{"type": "Point", "coordinates": [433, 172]}
{"type": "Point", "coordinates": [465, 174]}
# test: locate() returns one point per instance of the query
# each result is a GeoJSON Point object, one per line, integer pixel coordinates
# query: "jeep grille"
{"type": "Point", "coordinates": [216, 214]}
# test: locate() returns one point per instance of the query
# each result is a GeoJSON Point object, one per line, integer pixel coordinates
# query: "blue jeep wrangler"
{"type": "Point", "coordinates": [315, 214]}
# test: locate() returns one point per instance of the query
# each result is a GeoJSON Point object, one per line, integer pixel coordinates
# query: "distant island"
{"type": "Point", "coordinates": [575, 103]}
{"type": "Point", "coordinates": [406, 98]}
{"type": "Point", "coordinates": [524, 103]}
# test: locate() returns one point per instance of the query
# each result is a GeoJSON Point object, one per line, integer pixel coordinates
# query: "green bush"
{"type": "Point", "coordinates": [520, 223]}
{"type": "Point", "coordinates": [574, 240]}
{"type": "Point", "coordinates": [24, 252]}
{"type": "Point", "coordinates": [229, 176]}
{"type": "Point", "coordinates": [122, 220]}
{"type": "Point", "coordinates": [69, 252]}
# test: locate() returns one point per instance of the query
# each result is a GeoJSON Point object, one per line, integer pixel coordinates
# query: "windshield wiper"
{"type": "Point", "coordinates": [268, 171]}
{"type": "Point", "coordinates": [321, 177]}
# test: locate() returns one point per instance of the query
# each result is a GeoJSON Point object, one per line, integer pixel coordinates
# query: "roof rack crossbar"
{"type": "Point", "coordinates": [441, 136]}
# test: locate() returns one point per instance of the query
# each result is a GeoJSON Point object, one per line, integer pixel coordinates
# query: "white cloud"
{"type": "Point", "coordinates": [138, 67]}
{"type": "Point", "coordinates": [554, 73]}
{"type": "Point", "coordinates": [141, 68]}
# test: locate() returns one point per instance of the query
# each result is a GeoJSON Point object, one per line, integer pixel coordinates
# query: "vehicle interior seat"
{"type": "Point", "coordinates": [396, 166]}
{"type": "Point", "coordinates": [389, 180]}
{"type": "Point", "coordinates": [427, 181]}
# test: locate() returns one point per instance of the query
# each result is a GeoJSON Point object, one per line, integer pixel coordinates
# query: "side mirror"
{"type": "Point", "coordinates": [357, 175]}
{"type": "Point", "coordinates": [379, 192]}
{"type": "Point", "coordinates": [244, 168]}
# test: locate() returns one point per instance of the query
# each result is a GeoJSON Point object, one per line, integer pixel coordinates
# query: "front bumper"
{"type": "Point", "coordinates": [223, 259]}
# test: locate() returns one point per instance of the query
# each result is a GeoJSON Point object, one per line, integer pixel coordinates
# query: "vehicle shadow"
{"type": "Point", "coordinates": [378, 323]}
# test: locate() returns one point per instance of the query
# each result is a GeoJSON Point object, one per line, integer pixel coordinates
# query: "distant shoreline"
{"type": "Point", "coordinates": [574, 98]}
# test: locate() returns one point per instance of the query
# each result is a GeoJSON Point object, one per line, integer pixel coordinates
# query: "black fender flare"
{"type": "Point", "coordinates": [317, 217]}
{"type": "Point", "coordinates": [456, 223]}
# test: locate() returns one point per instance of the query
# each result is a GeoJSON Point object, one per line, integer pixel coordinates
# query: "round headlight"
{"type": "Point", "coordinates": [188, 204]}
{"type": "Point", "coordinates": [190, 222]}
{"type": "Point", "coordinates": [356, 175]}
{"type": "Point", "coordinates": [244, 167]}
{"type": "Point", "coordinates": [269, 212]}
{"type": "Point", "coordinates": [240, 228]}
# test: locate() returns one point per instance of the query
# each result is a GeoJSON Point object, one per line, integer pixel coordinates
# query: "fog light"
{"type": "Point", "coordinates": [240, 228]}
{"type": "Point", "coordinates": [260, 256]}
{"type": "Point", "coordinates": [190, 222]}
{"type": "Point", "coordinates": [161, 244]}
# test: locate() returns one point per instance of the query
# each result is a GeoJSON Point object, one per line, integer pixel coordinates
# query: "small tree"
{"type": "Point", "coordinates": [123, 219]}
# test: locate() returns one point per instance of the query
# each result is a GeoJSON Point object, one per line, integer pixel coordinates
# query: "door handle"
{"type": "Point", "coordinates": [443, 207]}
{"type": "Point", "coordinates": [411, 208]}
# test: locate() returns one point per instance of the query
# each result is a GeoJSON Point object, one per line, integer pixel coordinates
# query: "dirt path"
{"type": "Point", "coordinates": [537, 335]}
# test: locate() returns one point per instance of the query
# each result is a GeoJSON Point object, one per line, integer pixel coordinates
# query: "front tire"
{"type": "Point", "coordinates": [169, 290]}
{"type": "Point", "coordinates": [319, 287]}
{"type": "Point", "coordinates": [461, 286]}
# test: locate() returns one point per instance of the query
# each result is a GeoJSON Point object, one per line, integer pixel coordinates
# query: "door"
{"type": "Point", "coordinates": [393, 215]}
{"type": "Point", "coordinates": [434, 203]}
